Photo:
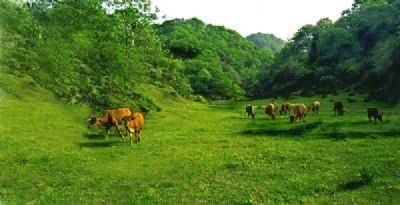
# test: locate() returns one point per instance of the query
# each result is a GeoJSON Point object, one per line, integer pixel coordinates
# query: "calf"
{"type": "Point", "coordinates": [373, 112]}
{"type": "Point", "coordinates": [300, 112]}
{"type": "Point", "coordinates": [109, 119]}
{"type": "Point", "coordinates": [250, 111]}
{"type": "Point", "coordinates": [270, 111]}
{"type": "Point", "coordinates": [135, 123]}
{"type": "Point", "coordinates": [338, 108]}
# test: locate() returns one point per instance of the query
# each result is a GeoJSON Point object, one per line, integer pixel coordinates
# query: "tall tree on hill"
{"type": "Point", "coordinates": [133, 15]}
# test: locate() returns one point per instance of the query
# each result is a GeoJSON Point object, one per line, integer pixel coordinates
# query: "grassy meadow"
{"type": "Point", "coordinates": [194, 153]}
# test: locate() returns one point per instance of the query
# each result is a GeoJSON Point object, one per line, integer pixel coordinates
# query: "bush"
{"type": "Point", "coordinates": [199, 98]}
{"type": "Point", "coordinates": [367, 175]}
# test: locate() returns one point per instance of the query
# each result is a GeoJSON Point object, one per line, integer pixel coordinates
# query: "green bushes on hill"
{"type": "Point", "coordinates": [219, 62]}
{"type": "Point", "coordinates": [361, 50]}
{"type": "Point", "coordinates": [85, 54]}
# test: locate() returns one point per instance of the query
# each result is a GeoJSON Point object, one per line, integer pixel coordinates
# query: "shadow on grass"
{"type": "Point", "coordinates": [101, 136]}
{"type": "Point", "coordinates": [298, 130]}
{"type": "Point", "coordinates": [95, 136]}
{"type": "Point", "coordinates": [352, 185]}
{"type": "Point", "coordinates": [96, 144]}
{"type": "Point", "coordinates": [244, 117]}
{"type": "Point", "coordinates": [366, 177]}
{"type": "Point", "coordinates": [359, 134]}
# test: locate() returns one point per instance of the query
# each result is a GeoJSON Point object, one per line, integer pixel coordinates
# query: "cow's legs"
{"type": "Point", "coordinates": [126, 130]}
{"type": "Point", "coordinates": [119, 131]}
{"type": "Point", "coordinates": [136, 137]}
{"type": "Point", "coordinates": [107, 131]}
{"type": "Point", "coordinates": [130, 138]}
{"type": "Point", "coordinates": [139, 135]}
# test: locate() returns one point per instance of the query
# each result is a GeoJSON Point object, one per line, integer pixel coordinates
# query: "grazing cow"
{"type": "Point", "coordinates": [270, 111]}
{"type": "Point", "coordinates": [285, 108]}
{"type": "Point", "coordinates": [109, 119]}
{"type": "Point", "coordinates": [135, 124]}
{"type": "Point", "coordinates": [250, 111]}
{"type": "Point", "coordinates": [338, 108]}
{"type": "Point", "coordinates": [373, 112]}
{"type": "Point", "coordinates": [301, 112]}
{"type": "Point", "coordinates": [276, 106]}
{"type": "Point", "coordinates": [315, 107]}
{"type": "Point", "coordinates": [294, 107]}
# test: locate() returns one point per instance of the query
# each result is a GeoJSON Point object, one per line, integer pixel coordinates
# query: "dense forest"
{"type": "Point", "coordinates": [98, 51]}
{"type": "Point", "coordinates": [218, 62]}
{"type": "Point", "coordinates": [360, 51]}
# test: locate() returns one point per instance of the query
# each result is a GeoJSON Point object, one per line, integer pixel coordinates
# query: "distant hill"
{"type": "Point", "coordinates": [270, 41]}
{"type": "Point", "coordinates": [220, 63]}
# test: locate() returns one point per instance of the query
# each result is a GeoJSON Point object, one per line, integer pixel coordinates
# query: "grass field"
{"type": "Point", "coordinates": [195, 154]}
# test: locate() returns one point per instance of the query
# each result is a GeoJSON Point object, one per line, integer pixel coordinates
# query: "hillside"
{"type": "Point", "coordinates": [82, 54]}
{"type": "Point", "coordinates": [102, 58]}
{"type": "Point", "coordinates": [268, 41]}
{"type": "Point", "coordinates": [219, 62]}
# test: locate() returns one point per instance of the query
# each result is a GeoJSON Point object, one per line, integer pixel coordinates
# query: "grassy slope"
{"type": "Point", "coordinates": [192, 154]}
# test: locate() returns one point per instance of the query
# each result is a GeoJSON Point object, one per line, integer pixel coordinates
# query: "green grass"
{"type": "Point", "coordinates": [195, 154]}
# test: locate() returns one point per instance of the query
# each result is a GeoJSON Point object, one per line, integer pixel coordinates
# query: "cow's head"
{"type": "Point", "coordinates": [94, 122]}
{"type": "Point", "coordinates": [292, 118]}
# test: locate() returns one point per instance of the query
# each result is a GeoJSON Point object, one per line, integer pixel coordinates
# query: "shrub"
{"type": "Point", "coordinates": [199, 98]}
{"type": "Point", "coordinates": [367, 175]}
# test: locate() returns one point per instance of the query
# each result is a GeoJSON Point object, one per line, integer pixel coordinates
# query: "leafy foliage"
{"type": "Point", "coordinates": [85, 53]}
{"type": "Point", "coordinates": [360, 51]}
{"type": "Point", "coordinates": [219, 62]}
{"type": "Point", "coordinates": [98, 52]}
{"type": "Point", "coordinates": [268, 41]}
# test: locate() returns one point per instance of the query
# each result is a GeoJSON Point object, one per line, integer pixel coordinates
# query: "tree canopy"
{"type": "Point", "coordinates": [219, 62]}
{"type": "Point", "coordinates": [359, 51]}
{"type": "Point", "coordinates": [268, 41]}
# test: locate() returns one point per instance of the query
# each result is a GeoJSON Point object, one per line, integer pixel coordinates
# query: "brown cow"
{"type": "Point", "coordinates": [250, 111]}
{"type": "Point", "coordinates": [285, 108]}
{"type": "Point", "coordinates": [373, 112]}
{"type": "Point", "coordinates": [301, 112]}
{"type": "Point", "coordinates": [338, 108]}
{"type": "Point", "coordinates": [276, 106]}
{"type": "Point", "coordinates": [314, 107]}
{"type": "Point", "coordinates": [109, 119]}
{"type": "Point", "coordinates": [270, 111]}
{"type": "Point", "coordinates": [135, 123]}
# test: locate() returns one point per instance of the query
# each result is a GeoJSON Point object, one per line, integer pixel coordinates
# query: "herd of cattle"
{"type": "Point", "coordinates": [300, 111]}
{"type": "Point", "coordinates": [134, 121]}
